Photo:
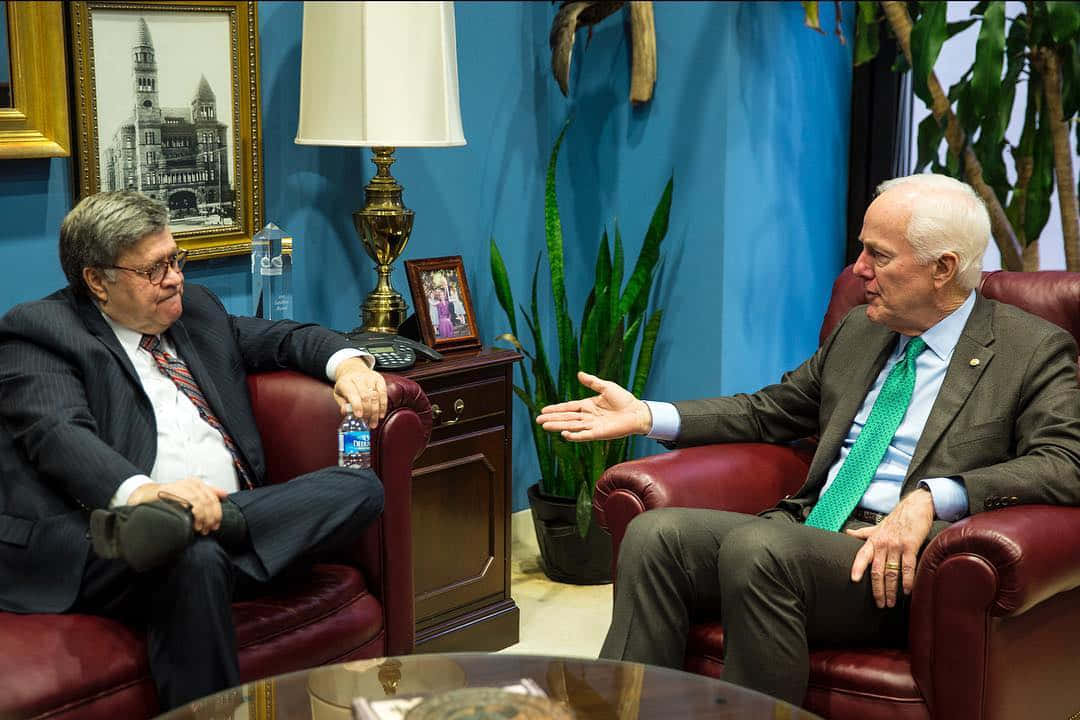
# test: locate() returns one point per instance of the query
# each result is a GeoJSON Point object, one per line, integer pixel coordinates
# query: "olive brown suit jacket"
{"type": "Point", "coordinates": [1006, 421]}
{"type": "Point", "coordinates": [75, 421]}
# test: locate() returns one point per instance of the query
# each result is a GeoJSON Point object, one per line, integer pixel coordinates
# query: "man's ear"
{"type": "Point", "coordinates": [95, 281]}
{"type": "Point", "coordinates": [944, 269]}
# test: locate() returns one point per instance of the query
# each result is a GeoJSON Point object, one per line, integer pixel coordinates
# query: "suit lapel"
{"type": "Point", "coordinates": [96, 325]}
{"type": "Point", "coordinates": [969, 360]}
{"type": "Point", "coordinates": [866, 361]}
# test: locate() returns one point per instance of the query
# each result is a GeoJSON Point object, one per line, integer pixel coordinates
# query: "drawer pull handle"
{"type": "Point", "coordinates": [459, 407]}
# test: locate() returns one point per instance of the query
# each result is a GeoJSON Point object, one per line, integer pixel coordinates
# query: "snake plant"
{"type": "Point", "coordinates": [613, 324]}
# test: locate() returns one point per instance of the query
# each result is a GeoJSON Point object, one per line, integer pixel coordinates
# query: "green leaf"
{"type": "Point", "coordinates": [545, 385]}
{"type": "Point", "coordinates": [1070, 81]}
{"type": "Point", "coordinates": [900, 63]}
{"type": "Point", "coordinates": [1042, 180]}
{"type": "Point", "coordinates": [502, 286]}
{"type": "Point", "coordinates": [965, 109]}
{"type": "Point", "coordinates": [1064, 20]}
{"type": "Point", "coordinates": [1016, 57]}
{"type": "Point", "coordinates": [930, 136]}
{"type": "Point", "coordinates": [583, 510]}
{"type": "Point", "coordinates": [980, 7]}
{"type": "Point", "coordinates": [650, 251]}
{"type": "Point", "coordinates": [810, 11]}
{"type": "Point", "coordinates": [955, 28]}
{"type": "Point", "coordinates": [554, 238]}
{"type": "Point", "coordinates": [867, 33]}
{"type": "Point", "coordinates": [989, 57]}
{"type": "Point", "coordinates": [617, 264]}
{"type": "Point", "coordinates": [645, 354]}
{"type": "Point", "coordinates": [927, 36]}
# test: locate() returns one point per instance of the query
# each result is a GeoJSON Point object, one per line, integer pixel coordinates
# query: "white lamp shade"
{"type": "Point", "coordinates": [379, 74]}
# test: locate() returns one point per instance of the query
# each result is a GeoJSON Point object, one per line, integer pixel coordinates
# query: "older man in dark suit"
{"type": "Point", "coordinates": [126, 426]}
{"type": "Point", "coordinates": [930, 403]}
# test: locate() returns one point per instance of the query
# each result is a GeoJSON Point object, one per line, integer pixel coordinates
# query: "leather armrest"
{"type": "Point", "coordinates": [742, 477]}
{"type": "Point", "coordinates": [298, 420]}
{"type": "Point", "coordinates": [996, 564]}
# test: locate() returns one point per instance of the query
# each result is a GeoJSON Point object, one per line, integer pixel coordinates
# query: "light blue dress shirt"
{"type": "Point", "coordinates": [949, 494]}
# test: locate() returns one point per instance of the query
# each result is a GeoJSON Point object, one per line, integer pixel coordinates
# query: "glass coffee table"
{"type": "Point", "coordinates": [575, 688]}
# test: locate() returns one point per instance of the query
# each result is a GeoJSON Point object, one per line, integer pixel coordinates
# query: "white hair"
{"type": "Point", "coordinates": [946, 216]}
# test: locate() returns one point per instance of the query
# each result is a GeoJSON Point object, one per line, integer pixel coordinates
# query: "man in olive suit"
{"type": "Point", "coordinates": [126, 425]}
{"type": "Point", "coordinates": [930, 403]}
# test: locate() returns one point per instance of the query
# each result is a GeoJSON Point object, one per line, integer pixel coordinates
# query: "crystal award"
{"type": "Point", "coordinates": [271, 274]}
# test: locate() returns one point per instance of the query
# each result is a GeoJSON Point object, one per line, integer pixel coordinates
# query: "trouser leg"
{"type": "Point", "coordinates": [321, 511]}
{"type": "Point", "coordinates": [667, 571]}
{"type": "Point", "coordinates": [785, 587]}
{"type": "Point", "coordinates": [186, 610]}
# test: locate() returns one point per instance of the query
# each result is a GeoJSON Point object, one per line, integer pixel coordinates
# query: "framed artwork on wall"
{"type": "Point", "coordinates": [33, 80]}
{"type": "Point", "coordinates": [443, 304]}
{"type": "Point", "coordinates": [167, 101]}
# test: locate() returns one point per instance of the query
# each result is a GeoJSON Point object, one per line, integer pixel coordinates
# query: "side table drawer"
{"type": "Point", "coordinates": [458, 408]}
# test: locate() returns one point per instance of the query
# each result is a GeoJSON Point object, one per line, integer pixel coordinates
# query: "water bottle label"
{"type": "Point", "coordinates": [355, 442]}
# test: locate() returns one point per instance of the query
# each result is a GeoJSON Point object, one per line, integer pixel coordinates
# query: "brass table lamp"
{"type": "Point", "coordinates": [381, 75]}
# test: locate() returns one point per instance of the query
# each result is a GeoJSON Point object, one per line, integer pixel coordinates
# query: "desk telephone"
{"type": "Point", "coordinates": [392, 352]}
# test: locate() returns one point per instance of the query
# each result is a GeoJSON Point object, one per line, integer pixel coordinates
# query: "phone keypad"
{"type": "Point", "coordinates": [394, 359]}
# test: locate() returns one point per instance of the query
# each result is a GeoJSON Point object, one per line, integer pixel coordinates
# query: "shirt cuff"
{"type": "Point", "coordinates": [123, 493]}
{"type": "Point", "coordinates": [344, 354]}
{"type": "Point", "coordinates": [949, 496]}
{"type": "Point", "coordinates": [665, 420]}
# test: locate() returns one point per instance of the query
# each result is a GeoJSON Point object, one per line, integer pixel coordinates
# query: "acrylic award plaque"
{"type": "Point", "coordinates": [271, 273]}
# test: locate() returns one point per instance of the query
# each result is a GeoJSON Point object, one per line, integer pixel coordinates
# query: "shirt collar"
{"type": "Point", "coordinates": [129, 339]}
{"type": "Point", "coordinates": [943, 336]}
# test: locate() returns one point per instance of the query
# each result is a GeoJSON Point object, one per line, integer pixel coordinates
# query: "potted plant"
{"type": "Point", "coordinates": [1034, 58]}
{"type": "Point", "coordinates": [614, 323]}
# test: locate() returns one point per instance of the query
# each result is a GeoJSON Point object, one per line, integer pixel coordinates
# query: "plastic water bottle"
{"type": "Point", "coordinates": [353, 441]}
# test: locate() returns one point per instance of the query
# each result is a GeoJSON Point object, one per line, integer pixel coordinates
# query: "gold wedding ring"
{"type": "Point", "coordinates": [892, 566]}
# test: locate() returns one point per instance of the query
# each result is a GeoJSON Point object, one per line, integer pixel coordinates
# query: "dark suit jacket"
{"type": "Point", "coordinates": [75, 422]}
{"type": "Point", "coordinates": [1006, 420]}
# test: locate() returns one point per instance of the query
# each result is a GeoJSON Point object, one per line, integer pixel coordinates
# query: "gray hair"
{"type": "Point", "coordinates": [102, 227]}
{"type": "Point", "coordinates": [946, 216]}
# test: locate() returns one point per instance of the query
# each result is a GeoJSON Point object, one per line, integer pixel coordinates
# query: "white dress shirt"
{"type": "Point", "coordinates": [883, 494]}
{"type": "Point", "coordinates": [186, 444]}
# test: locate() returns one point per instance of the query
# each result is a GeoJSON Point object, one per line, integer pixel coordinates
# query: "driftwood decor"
{"type": "Point", "coordinates": [576, 14]}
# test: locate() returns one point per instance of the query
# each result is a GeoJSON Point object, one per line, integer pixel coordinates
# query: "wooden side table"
{"type": "Point", "coordinates": [461, 504]}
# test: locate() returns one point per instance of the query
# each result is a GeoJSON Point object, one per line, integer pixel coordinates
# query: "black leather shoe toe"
{"type": "Point", "coordinates": [145, 536]}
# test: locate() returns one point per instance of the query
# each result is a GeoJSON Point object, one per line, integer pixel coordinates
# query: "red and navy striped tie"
{"type": "Point", "coordinates": [177, 371]}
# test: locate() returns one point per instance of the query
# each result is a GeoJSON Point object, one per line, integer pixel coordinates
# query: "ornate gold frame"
{"type": "Point", "coordinates": [245, 117]}
{"type": "Point", "coordinates": [38, 124]}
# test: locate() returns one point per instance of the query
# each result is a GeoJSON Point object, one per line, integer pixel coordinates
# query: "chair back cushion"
{"type": "Point", "coordinates": [1053, 295]}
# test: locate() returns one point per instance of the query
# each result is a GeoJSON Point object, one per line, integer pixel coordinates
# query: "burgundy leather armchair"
{"type": "Point", "coordinates": [995, 615]}
{"type": "Point", "coordinates": [81, 666]}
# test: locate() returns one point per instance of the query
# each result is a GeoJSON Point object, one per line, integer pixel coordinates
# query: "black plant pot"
{"type": "Point", "coordinates": [565, 555]}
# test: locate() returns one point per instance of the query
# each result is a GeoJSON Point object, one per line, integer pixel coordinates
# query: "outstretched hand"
{"type": "Point", "coordinates": [613, 413]}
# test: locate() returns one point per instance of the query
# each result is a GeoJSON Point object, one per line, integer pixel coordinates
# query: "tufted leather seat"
{"type": "Point", "coordinates": [82, 666]}
{"type": "Point", "coordinates": [995, 615]}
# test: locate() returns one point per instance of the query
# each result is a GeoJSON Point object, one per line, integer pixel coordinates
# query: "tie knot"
{"type": "Point", "coordinates": [915, 346]}
{"type": "Point", "coordinates": [150, 343]}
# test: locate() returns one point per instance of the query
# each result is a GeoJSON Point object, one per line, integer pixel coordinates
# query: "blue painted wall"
{"type": "Point", "coordinates": [750, 115]}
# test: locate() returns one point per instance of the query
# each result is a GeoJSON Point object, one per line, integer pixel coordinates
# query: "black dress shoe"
{"type": "Point", "coordinates": [145, 536]}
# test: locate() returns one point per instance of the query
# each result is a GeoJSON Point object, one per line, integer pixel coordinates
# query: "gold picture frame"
{"type": "Point", "coordinates": [178, 124]}
{"type": "Point", "coordinates": [37, 125]}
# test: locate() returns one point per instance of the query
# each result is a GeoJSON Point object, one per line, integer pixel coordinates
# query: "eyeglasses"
{"type": "Point", "coordinates": [155, 274]}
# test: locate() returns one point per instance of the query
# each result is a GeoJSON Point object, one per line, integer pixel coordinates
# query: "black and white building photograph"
{"type": "Point", "coordinates": [164, 112]}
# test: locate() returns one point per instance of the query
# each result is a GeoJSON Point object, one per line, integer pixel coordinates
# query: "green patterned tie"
{"type": "Point", "coordinates": [841, 497]}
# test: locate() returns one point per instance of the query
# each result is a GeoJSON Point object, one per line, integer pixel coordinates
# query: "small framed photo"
{"type": "Point", "coordinates": [167, 104]}
{"type": "Point", "coordinates": [444, 309]}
